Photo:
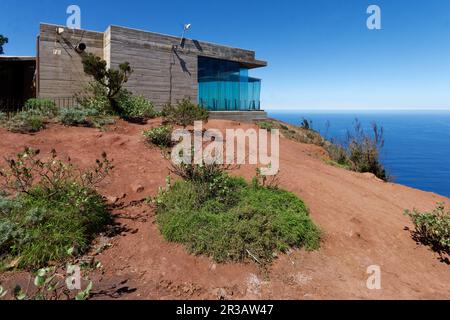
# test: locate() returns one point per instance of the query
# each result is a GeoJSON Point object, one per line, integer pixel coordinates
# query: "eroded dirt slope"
{"type": "Point", "coordinates": [361, 217]}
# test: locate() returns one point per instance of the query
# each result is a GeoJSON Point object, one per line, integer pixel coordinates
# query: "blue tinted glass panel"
{"type": "Point", "coordinates": [225, 85]}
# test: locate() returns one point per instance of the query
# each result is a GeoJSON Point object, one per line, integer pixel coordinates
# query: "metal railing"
{"type": "Point", "coordinates": [65, 102]}
{"type": "Point", "coordinates": [11, 104]}
{"type": "Point", "coordinates": [14, 104]}
{"type": "Point", "coordinates": [230, 105]}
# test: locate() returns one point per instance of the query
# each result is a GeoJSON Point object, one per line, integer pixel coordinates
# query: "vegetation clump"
{"type": "Point", "coordinates": [226, 218]}
{"type": "Point", "coordinates": [45, 107]}
{"type": "Point", "coordinates": [432, 228]}
{"type": "Point", "coordinates": [111, 81]}
{"type": "Point", "coordinates": [359, 152]}
{"type": "Point", "coordinates": [136, 107]}
{"type": "Point", "coordinates": [184, 113]}
{"type": "Point", "coordinates": [33, 116]}
{"type": "Point", "coordinates": [48, 209]}
{"type": "Point", "coordinates": [265, 125]}
{"type": "Point", "coordinates": [77, 116]}
{"type": "Point", "coordinates": [160, 136]}
{"type": "Point", "coordinates": [94, 96]}
{"type": "Point", "coordinates": [363, 150]}
{"type": "Point", "coordinates": [3, 40]}
{"type": "Point", "coordinates": [107, 93]}
{"type": "Point", "coordinates": [306, 124]}
{"type": "Point", "coordinates": [28, 121]}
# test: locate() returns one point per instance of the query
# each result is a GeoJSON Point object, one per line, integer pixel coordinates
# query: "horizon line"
{"type": "Point", "coordinates": [357, 109]}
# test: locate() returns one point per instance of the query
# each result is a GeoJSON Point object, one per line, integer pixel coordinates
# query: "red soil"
{"type": "Point", "coordinates": [361, 217]}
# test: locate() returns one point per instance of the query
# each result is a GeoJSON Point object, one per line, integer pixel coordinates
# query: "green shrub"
{"type": "Point", "coordinates": [266, 125]}
{"type": "Point", "coordinates": [227, 219]}
{"type": "Point", "coordinates": [45, 107]}
{"type": "Point", "coordinates": [136, 106]}
{"type": "Point", "coordinates": [306, 124]}
{"type": "Point", "coordinates": [26, 122]}
{"type": "Point", "coordinates": [94, 97]}
{"type": "Point", "coordinates": [3, 116]}
{"type": "Point", "coordinates": [338, 155]}
{"type": "Point", "coordinates": [160, 136]}
{"type": "Point", "coordinates": [51, 207]}
{"type": "Point", "coordinates": [128, 106]}
{"type": "Point", "coordinates": [41, 230]}
{"type": "Point", "coordinates": [432, 228]}
{"type": "Point", "coordinates": [77, 116]}
{"type": "Point", "coordinates": [184, 113]}
{"type": "Point", "coordinates": [213, 179]}
{"type": "Point", "coordinates": [363, 150]}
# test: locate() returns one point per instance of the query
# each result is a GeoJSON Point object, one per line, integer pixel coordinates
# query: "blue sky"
{"type": "Point", "coordinates": [320, 52]}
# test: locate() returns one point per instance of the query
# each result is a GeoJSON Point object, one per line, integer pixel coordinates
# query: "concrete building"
{"type": "Point", "coordinates": [166, 68]}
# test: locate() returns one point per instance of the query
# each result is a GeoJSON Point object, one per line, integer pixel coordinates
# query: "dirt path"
{"type": "Point", "coordinates": [361, 217]}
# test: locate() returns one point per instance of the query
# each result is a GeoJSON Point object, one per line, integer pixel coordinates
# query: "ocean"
{"type": "Point", "coordinates": [417, 143]}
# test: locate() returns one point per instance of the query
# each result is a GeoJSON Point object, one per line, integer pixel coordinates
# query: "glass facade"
{"type": "Point", "coordinates": [225, 86]}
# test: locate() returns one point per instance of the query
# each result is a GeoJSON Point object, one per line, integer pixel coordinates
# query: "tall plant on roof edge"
{"type": "Point", "coordinates": [3, 41]}
{"type": "Point", "coordinates": [111, 79]}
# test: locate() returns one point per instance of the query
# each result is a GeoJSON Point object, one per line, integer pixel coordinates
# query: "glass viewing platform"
{"type": "Point", "coordinates": [225, 86]}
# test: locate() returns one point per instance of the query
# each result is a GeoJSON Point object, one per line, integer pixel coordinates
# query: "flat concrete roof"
{"type": "Point", "coordinates": [248, 63]}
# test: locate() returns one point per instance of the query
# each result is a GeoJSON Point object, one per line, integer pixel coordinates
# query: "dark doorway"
{"type": "Point", "coordinates": [17, 83]}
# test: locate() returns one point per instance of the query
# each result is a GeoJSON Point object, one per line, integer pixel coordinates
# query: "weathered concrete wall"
{"type": "Point", "coordinates": [162, 73]}
{"type": "Point", "coordinates": [62, 75]}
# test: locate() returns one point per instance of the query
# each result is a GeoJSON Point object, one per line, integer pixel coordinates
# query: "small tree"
{"type": "Point", "coordinates": [3, 41]}
{"type": "Point", "coordinates": [111, 79]}
{"type": "Point", "coordinates": [306, 124]}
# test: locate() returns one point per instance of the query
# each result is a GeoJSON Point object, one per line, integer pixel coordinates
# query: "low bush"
{"type": "Point", "coordinates": [45, 107]}
{"type": "Point", "coordinates": [127, 105]}
{"type": "Point", "coordinates": [363, 150]}
{"type": "Point", "coordinates": [80, 116]}
{"type": "Point", "coordinates": [160, 136]}
{"type": "Point", "coordinates": [136, 107]}
{"type": "Point", "coordinates": [94, 97]}
{"type": "Point", "coordinates": [77, 116]}
{"type": "Point", "coordinates": [338, 155]}
{"type": "Point", "coordinates": [306, 124]}
{"type": "Point", "coordinates": [26, 122]}
{"type": "Point", "coordinates": [432, 228]}
{"type": "Point", "coordinates": [51, 209]}
{"type": "Point", "coordinates": [224, 217]}
{"type": "Point", "coordinates": [184, 113]}
{"type": "Point", "coordinates": [266, 125]}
